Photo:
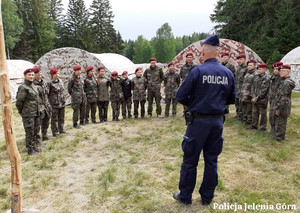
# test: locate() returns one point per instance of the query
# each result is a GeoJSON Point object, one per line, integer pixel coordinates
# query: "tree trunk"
{"type": "Point", "coordinates": [12, 149]}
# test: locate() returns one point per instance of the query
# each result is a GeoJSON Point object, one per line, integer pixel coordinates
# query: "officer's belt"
{"type": "Point", "coordinates": [198, 115]}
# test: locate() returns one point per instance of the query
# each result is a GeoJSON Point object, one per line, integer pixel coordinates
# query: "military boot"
{"type": "Point", "coordinates": [45, 137]}
{"type": "Point", "coordinates": [76, 126]}
{"type": "Point", "coordinates": [31, 152]}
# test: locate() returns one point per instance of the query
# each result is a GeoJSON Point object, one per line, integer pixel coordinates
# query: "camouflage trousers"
{"type": "Point", "coordinates": [102, 108]}
{"type": "Point", "coordinates": [31, 127]}
{"type": "Point", "coordinates": [154, 94]}
{"type": "Point", "coordinates": [280, 127]}
{"type": "Point", "coordinates": [272, 118]}
{"type": "Point", "coordinates": [126, 106]}
{"type": "Point", "coordinates": [115, 105]}
{"type": "Point", "coordinates": [136, 108]}
{"type": "Point", "coordinates": [91, 107]}
{"type": "Point", "coordinates": [45, 119]}
{"type": "Point", "coordinates": [78, 112]}
{"type": "Point", "coordinates": [247, 112]}
{"type": "Point", "coordinates": [174, 106]}
{"type": "Point", "coordinates": [57, 120]}
{"type": "Point", "coordinates": [238, 108]}
{"type": "Point", "coordinates": [259, 111]}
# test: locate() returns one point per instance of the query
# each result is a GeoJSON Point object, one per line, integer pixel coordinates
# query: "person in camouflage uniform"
{"type": "Point", "coordinates": [171, 82]}
{"type": "Point", "coordinates": [57, 100]}
{"type": "Point", "coordinates": [78, 96]}
{"type": "Point", "coordinates": [225, 62]}
{"type": "Point", "coordinates": [116, 94]}
{"type": "Point", "coordinates": [259, 94]}
{"type": "Point", "coordinates": [274, 84]}
{"type": "Point", "coordinates": [239, 79]}
{"type": "Point", "coordinates": [91, 91]}
{"type": "Point", "coordinates": [282, 102]}
{"type": "Point", "coordinates": [44, 105]}
{"type": "Point", "coordinates": [103, 94]}
{"type": "Point", "coordinates": [139, 86]}
{"type": "Point", "coordinates": [246, 93]}
{"type": "Point", "coordinates": [184, 71]}
{"type": "Point", "coordinates": [154, 76]}
{"type": "Point", "coordinates": [126, 103]}
{"type": "Point", "coordinates": [27, 103]}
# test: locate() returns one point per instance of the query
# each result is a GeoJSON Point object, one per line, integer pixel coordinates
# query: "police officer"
{"type": "Point", "coordinates": [44, 105]}
{"type": "Point", "coordinates": [78, 97]}
{"type": "Point", "coordinates": [127, 101]}
{"type": "Point", "coordinates": [154, 76]}
{"type": "Point", "coordinates": [91, 91]}
{"type": "Point", "coordinates": [103, 94]}
{"type": "Point", "coordinates": [204, 131]}
{"type": "Point", "coordinates": [27, 104]}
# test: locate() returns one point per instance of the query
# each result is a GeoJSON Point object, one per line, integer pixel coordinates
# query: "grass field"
{"type": "Point", "coordinates": [133, 166]}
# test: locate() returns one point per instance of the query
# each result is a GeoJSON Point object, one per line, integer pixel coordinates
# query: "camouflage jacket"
{"type": "Point", "coordinates": [154, 78]}
{"type": "Point", "coordinates": [274, 84]}
{"type": "Point", "coordinates": [116, 92]}
{"type": "Point", "coordinates": [56, 94]}
{"type": "Point", "coordinates": [91, 89]}
{"type": "Point", "coordinates": [230, 66]}
{"type": "Point", "coordinates": [139, 86]}
{"type": "Point", "coordinates": [103, 85]}
{"type": "Point", "coordinates": [260, 88]}
{"type": "Point", "coordinates": [172, 82]}
{"type": "Point", "coordinates": [43, 88]}
{"type": "Point", "coordinates": [185, 69]}
{"type": "Point", "coordinates": [282, 100]}
{"type": "Point", "coordinates": [76, 90]}
{"type": "Point", "coordinates": [239, 79]}
{"type": "Point", "coordinates": [27, 100]}
{"type": "Point", "coordinates": [246, 89]}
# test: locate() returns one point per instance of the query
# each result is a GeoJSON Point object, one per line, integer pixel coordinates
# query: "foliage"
{"type": "Point", "coordinates": [143, 50]}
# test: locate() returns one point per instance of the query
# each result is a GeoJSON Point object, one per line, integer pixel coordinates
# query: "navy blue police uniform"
{"type": "Point", "coordinates": [206, 91]}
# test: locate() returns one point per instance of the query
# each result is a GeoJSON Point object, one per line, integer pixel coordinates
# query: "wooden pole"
{"type": "Point", "coordinates": [11, 145]}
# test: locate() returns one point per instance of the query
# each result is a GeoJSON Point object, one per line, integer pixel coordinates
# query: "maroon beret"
{"type": "Point", "coordinates": [189, 54]}
{"type": "Point", "coordinates": [277, 64]}
{"type": "Point", "coordinates": [114, 73]}
{"type": "Point", "coordinates": [36, 69]}
{"type": "Point", "coordinates": [262, 66]}
{"type": "Point", "coordinates": [77, 67]}
{"type": "Point", "coordinates": [27, 71]}
{"type": "Point", "coordinates": [285, 66]}
{"type": "Point", "coordinates": [241, 56]}
{"type": "Point", "coordinates": [251, 61]}
{"type": "Point", "coordinates": [152, 59]}
{"type": "Point", "coordinates": [89, 68]}
{"type": "Point", "coordinates": [137, 69]}
{"type": "Point", "coordinates": [53, 71]}
{"type": "Point", "coordinates": [101, 68]}
{"type": "Point", "coordinates": [223, 54]}
{"type": "Point", "coordinates": [170, 63]}
{"type": "Point", "coordinates": [124, 73]}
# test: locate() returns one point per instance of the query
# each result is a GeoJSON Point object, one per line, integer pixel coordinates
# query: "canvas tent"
{"type": "Point", "coordinates": [232, 47]}
{"type": "Point", "coordinates": [292, 58]}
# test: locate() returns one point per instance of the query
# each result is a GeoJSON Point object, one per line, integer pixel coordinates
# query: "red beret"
{"type": "Point", "coordinates": [285, 66]}
{"type": "Point", "coordinates": [251, 61]}
{"type": "Point", "coordinates": [53, 71]}
{"type": "Point", "coordinates": [89, 68]}
{"type": "Point", "coordinates": [223, 54]}
{"type": "Point", "coordinates": [77, 67]}
{"type": "Point", "coordinates": [152, 59]}
{"type": "Point", "coordinates": [277, 64]}
{"type": "Point", "coordinates": [170, 63]}
{"type": "Point", "coordinates": [101, 68]}
{"type": "Point", "coordinates": [137, 69]}
{"type": "Point", "coordinates": [36, 69]}
{"type": "Point", "coordinates": [27, 71]}
{"type": "Point", "coordinates": [241, 56]}
{"type": "Point", "coordinates": [124, 73]}
{"type": "Point", "coordinates": [189, 54]}
{"type": "Point", "coordinates": [114, 73]}
{"type": "Point", "coordinates": [262, 66]}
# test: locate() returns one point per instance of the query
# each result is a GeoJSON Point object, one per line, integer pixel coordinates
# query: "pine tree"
{"type": "Point", "coordinates": [129, 52]}
{"type": "Point", "coordinates": [56, 15]}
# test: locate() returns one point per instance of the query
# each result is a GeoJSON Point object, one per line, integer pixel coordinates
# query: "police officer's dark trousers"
{"type": "Point", "coordinates": [203, 134]}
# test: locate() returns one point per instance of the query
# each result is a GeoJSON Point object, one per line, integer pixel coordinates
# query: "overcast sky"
{"type": "Point", "coordinates": [139, 17]}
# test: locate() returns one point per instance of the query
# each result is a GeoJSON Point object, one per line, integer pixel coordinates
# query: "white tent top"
{"type": "Point", "coordinates": [17, 67]}
{"type": "Point", "coordinates": [292, 57]}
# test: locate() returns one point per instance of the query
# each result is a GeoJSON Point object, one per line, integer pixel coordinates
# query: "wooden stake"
{"type": "Point", "coordinates": [11, 145]}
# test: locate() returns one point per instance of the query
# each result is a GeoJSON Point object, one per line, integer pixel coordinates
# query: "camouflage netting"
{"type": "Point", "coordinates": [293, 59]}
{"type": "Point", "coordinates": [65, 59]}
{"type": "Point", "coordinates": [232, 47]}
